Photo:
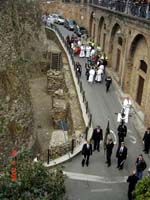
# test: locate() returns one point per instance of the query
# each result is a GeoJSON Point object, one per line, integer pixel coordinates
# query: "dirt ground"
{"type": "Point", "coordinates": [41, 106]}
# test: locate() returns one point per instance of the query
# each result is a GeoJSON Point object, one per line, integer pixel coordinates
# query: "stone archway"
{"type": "Point", "coordinates": [91, 24]}
{"type": "Point", "coordinates": [136, 78]}
{"type": "Point", "coordinates": [115, 48]}
{"type": "Point", "coordinates": [100, 30]}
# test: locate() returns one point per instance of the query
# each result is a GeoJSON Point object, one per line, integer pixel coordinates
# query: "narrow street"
{"type": "Point", "coordinates": [98, 182]}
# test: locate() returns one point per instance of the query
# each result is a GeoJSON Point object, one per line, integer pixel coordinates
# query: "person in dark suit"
{"type": "Point", "coordinates": [86, 152]}
{"type": "Point", "coordinates": [132, 180]}
{"type": "Point", "coordinates": [121, 154]}
{"type": "Point", "coordinates": [146, 140]}
{"type": "Point", "coordinates": [78, 69]}
{"type": "Point", "coordinates": [122, 132]}
{"type": "Point", "coordinates": [109, 148]}
{"type": "Point", "coordinates": [108, 83]}
{"type": "Point", "coordinates": [97, 136]}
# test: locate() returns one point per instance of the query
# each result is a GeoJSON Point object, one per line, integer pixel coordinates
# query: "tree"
{"type": "Point", "coordinates": [142, 190]}
{"type": "Point", "coordinates": [33, 180]}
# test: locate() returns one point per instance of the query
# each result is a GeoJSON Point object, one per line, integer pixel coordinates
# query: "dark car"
{"type": "Point", "coordinates": [79, 30]}
{"type": "Point", "coordinates": [83, 30]}
{"type": "Point", "coordinates": [69, 24]}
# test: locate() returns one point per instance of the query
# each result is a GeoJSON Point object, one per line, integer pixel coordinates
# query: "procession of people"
{"type": "Point", "coordinates": [95, 72]}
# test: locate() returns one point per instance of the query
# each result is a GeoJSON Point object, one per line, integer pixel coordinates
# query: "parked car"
{"type": "Point", "coordinates": [49, 21]}
{"type": "Point", "coordinates": [59, 20]}
{"type": "Point", "coordinates": [79, 30]}
{"type": "Point", "coordinates": [69, 24]}
{"type": "Point", "coordinates": [54, 16]}
{"type": "Point", "coordinates": [83, 30]}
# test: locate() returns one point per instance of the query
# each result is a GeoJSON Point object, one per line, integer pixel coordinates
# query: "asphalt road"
{"type": "Point", "coordinates": [98, 182]}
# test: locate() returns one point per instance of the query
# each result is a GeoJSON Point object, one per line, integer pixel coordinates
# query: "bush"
{"type": "Point", "coordinates": [33, 181]}
{"type": "Point", "coordinates": [142, 190]}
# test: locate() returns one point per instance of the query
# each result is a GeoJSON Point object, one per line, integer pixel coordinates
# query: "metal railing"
{"type": "Point", "coordinates": [129, 7]}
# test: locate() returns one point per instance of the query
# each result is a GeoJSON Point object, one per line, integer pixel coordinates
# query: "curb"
{"type": "Point", "coordinates": [77, 149]}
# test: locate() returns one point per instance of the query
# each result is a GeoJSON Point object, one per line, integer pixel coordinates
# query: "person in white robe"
{"type": "Point", "coordinates": [98, 77]}
{"type": "Point", "coordinates": [79, 43]}
{"type": "Point", "coordinates": [91, 75]}
{"type": "Point", "coordinates": [92, 52]}
{"type": "Point", "coordinates": [82, 52]}
{"type": "Point", "coordinates": [88, 50]}
{"type": "Point", "coordinates": [126, 106]}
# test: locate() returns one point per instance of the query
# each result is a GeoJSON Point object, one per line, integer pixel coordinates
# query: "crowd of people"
{"type": "Point", "coordinates": [96, 62]}
{"type": "Point", "coordinates": [121, 154]}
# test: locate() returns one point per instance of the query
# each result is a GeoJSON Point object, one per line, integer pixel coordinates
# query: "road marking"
{"type": "Point", "coordinates": [115, 138]}
{"type": "Point", "coordinates": [101, 190]}
{"type": "Point", "coordinates": [129, 131]}
{"type": "Point", "coordinates": [133, 139]}
{"type": "Point", "coordinates": [93, 178]}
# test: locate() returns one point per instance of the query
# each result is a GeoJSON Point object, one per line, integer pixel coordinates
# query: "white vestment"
{"type": "Point", "coordinates": [82, 52]}
{"type": "Point", "coordinates": [79, 43]}
{"type": "Point", "coordinates": [88, 51]}
{"type": "Point", "coordinates": [126, 106]}
{"type": "Point", "coordinates": [98, 77]}
{"type": "Point", "coordinates": [91, 75]}
{"type": "Point", "coordinates": [92, 52]}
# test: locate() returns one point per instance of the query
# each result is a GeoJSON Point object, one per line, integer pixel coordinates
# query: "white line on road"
{"type": "Point", "coordinates": [133, 139]}
{"type": "Point", "coordinates": [93, 178]}
{"type": "Point", "coordinates": [101, 190]}
{"type": "Point", "coordinates": [115, 138]}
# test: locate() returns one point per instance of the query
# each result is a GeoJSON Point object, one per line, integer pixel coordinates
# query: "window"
{"type": "Point", "coordinates": [120, 41]}
{"type": "Point", "coordinates": [143, 66]}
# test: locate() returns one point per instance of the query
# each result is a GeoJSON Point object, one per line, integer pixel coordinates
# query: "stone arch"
{"type": "Point", "coordinates": [91, 23]}
{"type": "Point", "coordinates": [99, 30]}
{"type": "Point", "coordinates": [115, 47]}
{"type": "Point", "coordinates": [137, 69]}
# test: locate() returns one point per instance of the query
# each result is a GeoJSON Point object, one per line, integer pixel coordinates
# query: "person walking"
{"type": "Point", "coordinates": [122, 132]}
{"type": "Point", "coordinates": [91, 75]}
{"type": "Point", "coordinates": [98, 77]}
{"type": "Point", "coordinates": [78, 69]}
{"type": "Point", "coordinates": [86, 152]}
{"type": "Point", "coordinates": [108, 81]}
{"type": "Point", "coordinates": [121, 155]}
{"type": "Point", "coordinates": [87, 68]}
{"type": "Point", "coordinates": [109, 148]}
{"type": "Point", "coordinates": [146, 141]}
{"type": "Point", "coordinates": [140, 166]}
{"type": "Point", "coordinates": [132, 180]}
{"type": "Point", "coordinates": [97, 136]}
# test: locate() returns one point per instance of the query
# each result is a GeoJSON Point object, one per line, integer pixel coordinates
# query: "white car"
{"type": "Point", "coordinates": [49, 21]}
{"type": "Point", "coordinates": [60, 20]}
{"type": "Point", "coordinates": [57, 18]}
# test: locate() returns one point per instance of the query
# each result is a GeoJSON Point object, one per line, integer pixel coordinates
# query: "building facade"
{"type": "Point", "coordinates": [126, 41]}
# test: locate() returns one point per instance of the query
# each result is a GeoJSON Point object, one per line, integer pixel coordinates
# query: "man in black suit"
{"type": "Point", "coordinates": [132, 180]}
{"type": "Point", "coordinates": [86, 152]}
{"type": "Point", "coordinates": [121, 154]}
{"type": "Point", "coordinates": [109, 148]}
{"type": "Point", "coordinates": [97, 136]}
{"type": "Point", "coordinates": [108, 82]}
{"type": "Point", "coordinates": [122, 132]}
{"type": "Point", "coordinates": [146, 140]}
